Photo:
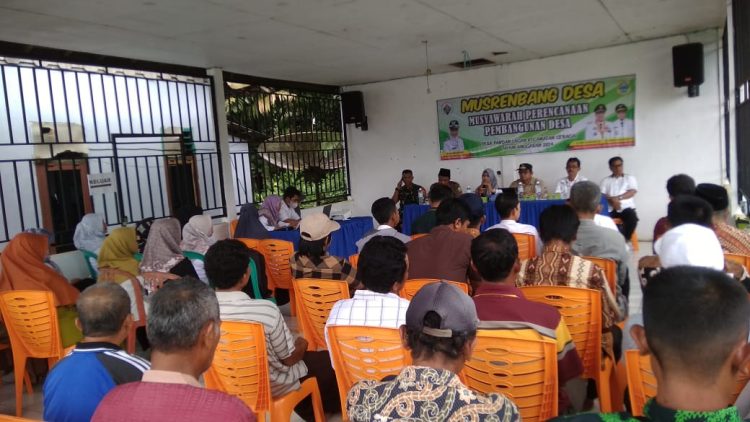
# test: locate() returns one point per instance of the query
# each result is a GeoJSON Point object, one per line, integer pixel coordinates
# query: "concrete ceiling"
{"type": "Point", "coordinates": [343, 42]}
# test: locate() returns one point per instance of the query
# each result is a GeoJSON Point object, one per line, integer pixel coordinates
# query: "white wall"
{"type": "Point", "coordinates": [674, 133]}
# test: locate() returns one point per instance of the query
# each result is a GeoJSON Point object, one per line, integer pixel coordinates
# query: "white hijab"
{"type": "Point", "coordinates": [90, 233]}
{"type": "Point", "coordinates": [690, 244]}
{"type": "Point", "coordinates": [196, 235]}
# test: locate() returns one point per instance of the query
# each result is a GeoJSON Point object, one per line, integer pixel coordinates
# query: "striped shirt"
{"type": "Point", "coordinates": [330, 267]}
{"type": "Point", "coordinates": [237, 306]}
{"type": "Point", "coordinates": [368, 308]}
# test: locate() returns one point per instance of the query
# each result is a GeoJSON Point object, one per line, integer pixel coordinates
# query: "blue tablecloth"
{"type": "Point", "coordinates": [530, 211]}
{"type": "Point", "coordinates": [343, 241]}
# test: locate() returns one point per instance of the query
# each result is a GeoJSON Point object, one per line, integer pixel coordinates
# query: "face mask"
{"type": "Point", "coordinates": [293, 205]}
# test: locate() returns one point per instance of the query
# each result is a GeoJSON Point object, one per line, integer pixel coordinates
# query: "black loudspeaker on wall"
{"type": "Point", "coordinates": [353, 109]}
{"type": "Point", "coordinates": [687, 63]}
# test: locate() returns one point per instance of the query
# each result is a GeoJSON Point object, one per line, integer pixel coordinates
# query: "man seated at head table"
{"type": "Point", "coordinates": [501, 305]}
{"type": "Point", "coordinates": [527, 180]}
{"type": "Point", "coordinates": [446, 252]}
{"type": "Point", "coordinates": [385, 213]}
{"type": "Point", "coordinates": [732, 239]}
{"type": "Point", "coordinates": [696, 366]}
{"type": "Point", "coordinates": [407, 192]}
{"type": "Point", "coordinates": [425, 222]}
{"type": "Point", "coordinates": [183, 329]}
{"type": "Point", "coordinates": [444, 178]}
{"type": "Point", "coordinates": [77, 384]}
{"type": "Point", "coordinates": [573, 168]}
{"type": "Point", "coordinates": [440, 333]}
{"type": "Point", "coordinates": [509, 210]}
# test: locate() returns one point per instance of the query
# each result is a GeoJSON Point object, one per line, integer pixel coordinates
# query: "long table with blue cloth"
{"type": "Point", "coordinates": [343, 240]}
{"type": "Point", "coordinates": [530, 212]}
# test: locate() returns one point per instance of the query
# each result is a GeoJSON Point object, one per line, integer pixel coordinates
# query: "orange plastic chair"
{"type": "Point", "coordinates": [633, 237]}
{"type": "Point", "coordinates": [412, 286]}
{"type": "Point", "coordinates": [240, 368]}
{"type": "Point", "coordinates": [315, 299]}
{"type": "Point", "coordinates": [233, 227]}
{"type": "Point", "coordinates": [526, 245]}
{"type": "Point", "coordinates": [8, 418]}
{"type": "Point", "coordinates": [418, 235]}
{"type": "Point", "coordinates": [365, 353]}
{"type": "Point", "coordinates": [610, 270]}
{"type": "Point", "coordinates": [523, 369]}
{"type": "Point", "coordinates": [250, 243]}
{"type": "Point", "coordinates": [277, 254]}
{"type": "Point", "coordinates": [354, 260]}
{"type": "Point", "coordinates": [31, 319]}
{"type": "Point", "coordinates": [743, 260]}
{"type": "Point", "coordinates": [582, 310]}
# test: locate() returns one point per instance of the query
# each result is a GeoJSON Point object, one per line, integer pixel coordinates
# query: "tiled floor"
{"type": "Point", "coordinates": [32, 404]}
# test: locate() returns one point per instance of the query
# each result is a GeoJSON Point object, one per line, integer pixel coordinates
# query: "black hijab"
{"type": "Point", "coordinates": [249, 225]}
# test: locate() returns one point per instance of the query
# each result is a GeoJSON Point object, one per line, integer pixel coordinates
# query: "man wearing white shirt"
{"type": "Point", "coordinates": [509, 209]}
{"type": "Point", "coordinates": [620, 190]}
{"type": "Point", "coordinates": [572, 167]}
{"type": "Point", "coordinates": [622, 127]}
{"type": "Point", "coordinates": [383, 268]}
{"type": "Point", "coordinates": [288, 216]}
{"type": "Point", "coordinates": [385, 213]}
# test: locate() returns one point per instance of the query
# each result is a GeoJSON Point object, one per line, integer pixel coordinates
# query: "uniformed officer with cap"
{"type": "Point", "coordinates": [599, 128]}
{"type": "Point", "coordinates": [622, 127]}
{"type": "Point", "coordinates": [527, 179]}
{"type": "Point", "coordinates": [453, 143]}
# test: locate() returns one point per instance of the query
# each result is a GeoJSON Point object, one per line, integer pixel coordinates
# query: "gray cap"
{"type": "Point", "coordinates": [456, 309]}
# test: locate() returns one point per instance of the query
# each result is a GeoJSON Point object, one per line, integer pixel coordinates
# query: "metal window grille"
{"type": "Point", "coordinates": [282, 138]}
{"type": "Point", "coordinates": [60, 123]}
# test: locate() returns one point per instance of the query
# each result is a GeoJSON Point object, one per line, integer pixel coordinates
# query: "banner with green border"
{"type": "Point", "coordinates": [597, 113]}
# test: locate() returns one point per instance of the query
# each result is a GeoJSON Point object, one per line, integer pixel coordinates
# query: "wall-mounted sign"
{"type": "Point", "coordinates": [102, 183]}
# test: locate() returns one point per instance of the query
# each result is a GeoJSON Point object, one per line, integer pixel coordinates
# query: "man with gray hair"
{"type": "Point", "coordinates": [78, 383]}
{"type": "Point", "coordinates": [183, 329]}
{"type": "Point", "coordinates": [593, 240]}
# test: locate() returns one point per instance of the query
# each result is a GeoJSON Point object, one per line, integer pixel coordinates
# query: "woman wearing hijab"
{"type": "Point", "coordinates": [197, 237]}
{"type": "Point", "coordinates": [489, 183]}
{"type": "Point", "coordinates": [90, 233]}
{"type": "Point", "coordinates": [162, 253]}
{"type": "Point", "coordinates": [24, 269]}
{"type": "Point", "coordinates": [117, 252]}
{"type": "Point", "coordinates": [249, 225]}
{"type": "Point", "coordinates": [270, 211]}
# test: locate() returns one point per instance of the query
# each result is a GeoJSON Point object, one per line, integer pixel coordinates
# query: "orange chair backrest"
{"type": "Point", "coordinates": [523, 369]}
{"type": "Point", "coordinates": [314, 299]}
{"type": "Point", "coordinates": [251, 243]}
{"type": "Point", "coordinates": [412, 286]}
{"type": "Point", "coordinates": [743, 260]}
{"type": "Point", "coordinates": [277, 254]}
{"type": "Point", "coordinates": [233, 227]}
{"type": "Point", "coordinates": [582, 310]}
{"type": "Point", "coordinates": [31, 319]}
{"type": "Point", "coordinates": [354, 260]}
{"type": "Point", "coordinates": [240, 365]}
{"type": "Point", "coordinates": [365, 353]}
{"type": "Point", "coordinates": [526, 245]}
{"type": "Point", "coordinates": [610, 270]}
{"type": "Point", "coordinates": [418, 235]}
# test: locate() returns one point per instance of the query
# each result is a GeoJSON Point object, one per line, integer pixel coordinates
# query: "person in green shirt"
{"type": "Point", "coordinates": [695, 330]}
{"type": "Point", "coordinates": [427, 221]}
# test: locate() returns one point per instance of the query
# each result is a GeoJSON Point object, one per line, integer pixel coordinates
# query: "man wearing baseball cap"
{"type": "Point", "coordinates": [527, 180]}
{"type": "Point", "coordinates": [453, 143]}
{"type": "Point", "coordinates": [440, 332]}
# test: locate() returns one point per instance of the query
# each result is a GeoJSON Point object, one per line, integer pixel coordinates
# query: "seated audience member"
{"type": "Point", "coordinates": [249, 225]}
{"type": "Point", "coordinates": [679, 184]}
{"type": "Point", "coordinates": [557, 266]}
{"type": "Point", "coordinates": [407, 192]}
{"type": "Point", "coordinates": [446, 252]}
{"type": "Point", "coordinates": [312, 259]}
{"type": "Point", "coordinates": [594, 240]}
{"type": "Point", "coordinates": [732, 239]}
{"type": "Point", "coordinates": [509, 210]}
{"type": "Point", "coordinates": [118, 252]}
{"type": "Point", "coordinates": [444, 178]}
{"type": "Point", "coordinates": [90, 233]}
{"type": "Point", "coordinates": [428, 220]}
{"type": "Point", "coordinates": [77, 384]}
{"type": "Point", "coordinates": [440, 332]}
{"type": "Point", "coordinates": [488, 187]}
{"type": "Point", "coordinates": [501, 305]}
{"type": "Point", "coordinates": [288, 361]}
{"type": "Point", "coordinates": [270, 213]}
{"type": "Point", "coordinates": [385, 213]}
{"type": "Point", "coordinates": [197, 236]}
{"type": "Point", "coordinates": [288, 213]}
{"type": "Point", "coordinates": [572, 167]}
{"type": "Point", "coordinates": [476, 212]}
{"type": "Point", "coordinates": [163, 253]}
{"type": "Point", "coordinates": [383, 269]}
{"type": "Point", "coordinates": [620, 190]}
{"type": "Point", "coordinates": [696, 366]}
{"type": "Point", "coordinates": [527, 180]}
{"type": "Point", "coordinates": [183, 328]}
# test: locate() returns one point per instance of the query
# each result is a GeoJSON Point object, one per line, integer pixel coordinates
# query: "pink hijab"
{"type": "Point", "coordinates": [270, 208]}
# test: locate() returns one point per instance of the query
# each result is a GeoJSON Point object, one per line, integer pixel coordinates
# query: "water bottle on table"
{"type": "Point", "coordinates": [538, 189]}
